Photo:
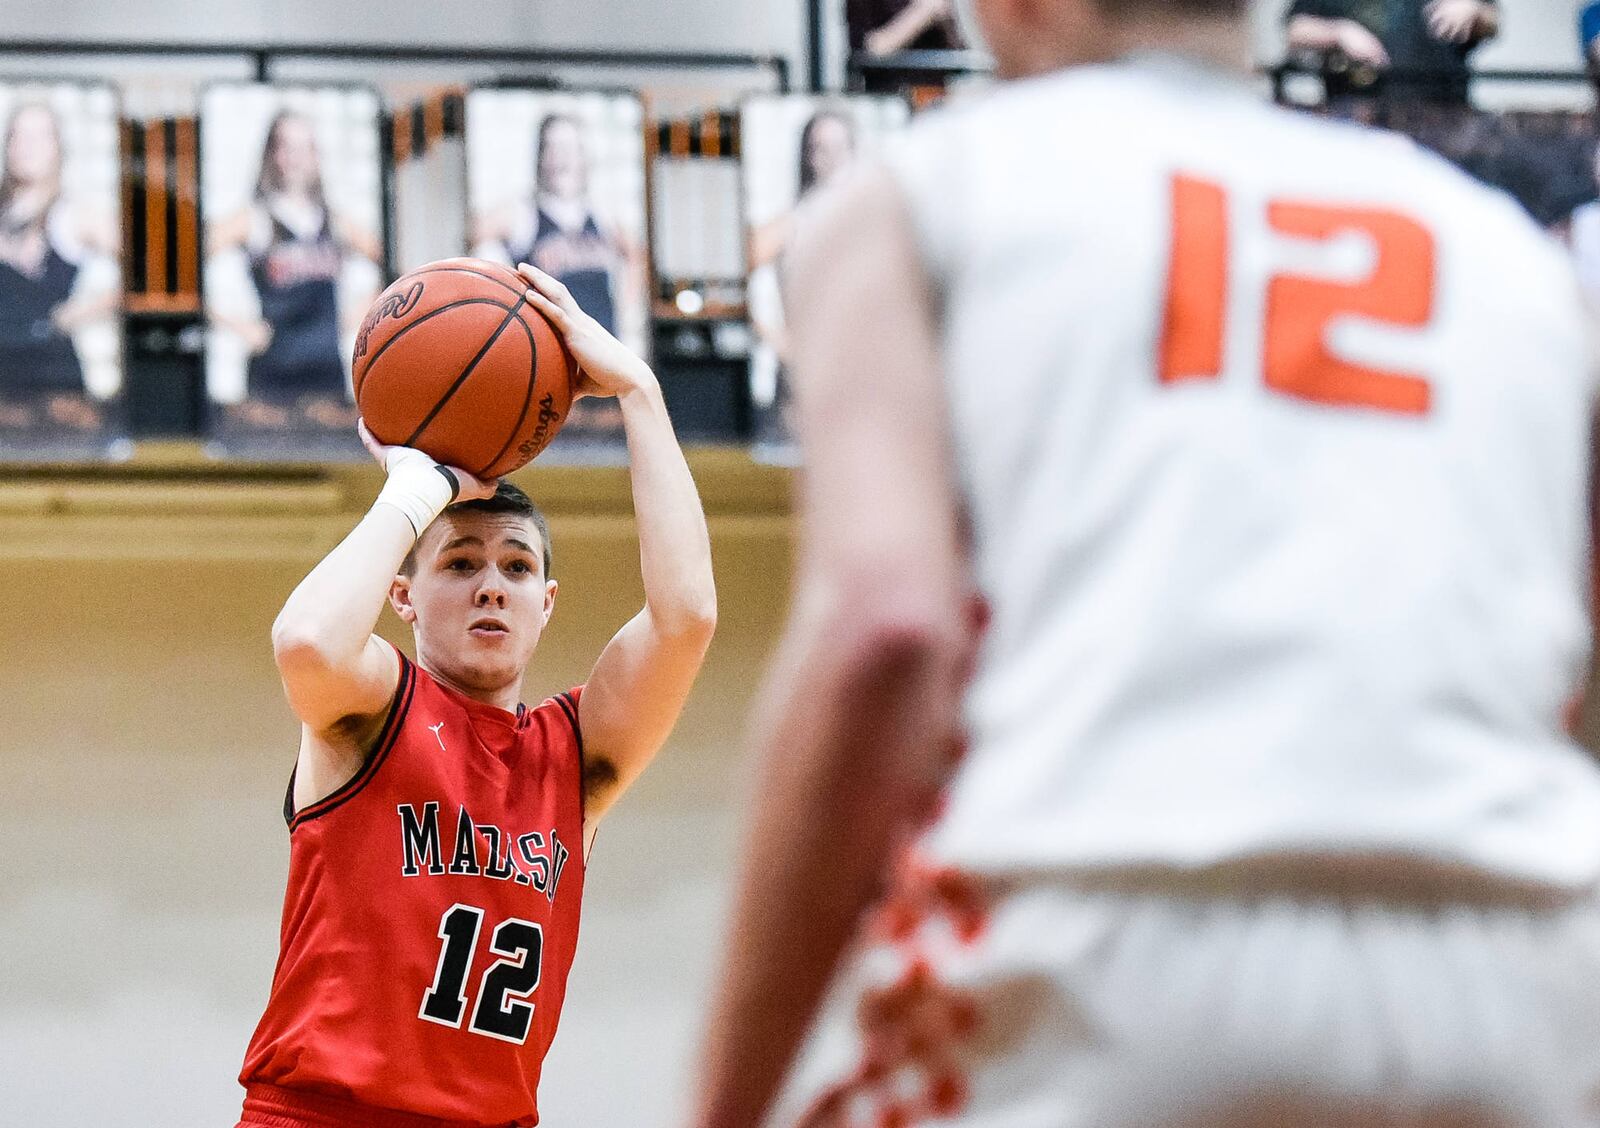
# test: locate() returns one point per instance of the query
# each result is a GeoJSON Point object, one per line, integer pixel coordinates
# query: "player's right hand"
{"type": "Point", "coordinates": [468, 488]}
{"type": "Point", "coordinates": [1452, 21]}
{"type": "Point", "coordinates": [1360, 44]}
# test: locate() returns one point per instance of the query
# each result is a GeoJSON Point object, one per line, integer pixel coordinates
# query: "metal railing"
{"type": "Point", "coordinates": [263, 55]}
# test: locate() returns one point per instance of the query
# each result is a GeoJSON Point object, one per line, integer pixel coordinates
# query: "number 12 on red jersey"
{"type": "Point", "coordinates": [502, 1011]}
{"type": "Point", "coordinates": [1296, 359]}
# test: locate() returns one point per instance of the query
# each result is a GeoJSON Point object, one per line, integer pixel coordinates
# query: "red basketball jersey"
{"type": "Point", "coordinates": [432, 914]}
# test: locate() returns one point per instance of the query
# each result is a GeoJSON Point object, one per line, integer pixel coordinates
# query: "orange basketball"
{"type": "Point", "coordinates": [451, 360]}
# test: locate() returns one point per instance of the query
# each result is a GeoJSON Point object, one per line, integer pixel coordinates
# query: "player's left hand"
{"type": "Point", "coordinates": [606, 367]}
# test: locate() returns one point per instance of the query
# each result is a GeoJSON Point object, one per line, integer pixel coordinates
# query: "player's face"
{"type": "Point", "coordinates": [829, 148]}
{"type": "Point", "coordinates": [33, 153]}
{"type": "Point", "coordinates": [295, 153]}
{"type": "Point", "coordinates": [478, 598]}
{"type": "Point", "coordinates": [561, 164]}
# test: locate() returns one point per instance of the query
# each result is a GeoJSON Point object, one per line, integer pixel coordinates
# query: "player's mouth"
{"type": "Point", "coordinates": [488, 628]}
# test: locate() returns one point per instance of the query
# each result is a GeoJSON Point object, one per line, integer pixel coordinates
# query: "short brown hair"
{"type": "Point", "coordinates": [507, 499]}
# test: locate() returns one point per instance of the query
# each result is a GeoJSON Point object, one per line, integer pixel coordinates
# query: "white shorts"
{"type": "Point", "coordinates": [1044, 1005]}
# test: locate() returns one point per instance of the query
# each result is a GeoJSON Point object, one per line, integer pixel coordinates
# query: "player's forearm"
{"type": "Point", "coordinates": [674, 546]}
{"type": "Point", "coordinates": [853, 712]}
{"type": "Point", "coordinates": [898, 34]}
{"type": "Point", "coordinates": [1313, 33]}
{"type": "Point", "coordinates": [334, 609]}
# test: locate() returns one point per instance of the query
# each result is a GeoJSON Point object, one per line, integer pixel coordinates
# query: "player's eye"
{"type": "Point", "coordinates": [459, 564]}
{"type": "Point", "coordinates": [521, 567]}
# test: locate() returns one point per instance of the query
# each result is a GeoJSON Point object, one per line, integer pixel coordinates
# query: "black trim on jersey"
{"type": "Point", "coordinates": [570, 708]}
{"type": "Point", "coordinates": [380, 749]}
{"type": "Point", "coordinates": [288, 798]}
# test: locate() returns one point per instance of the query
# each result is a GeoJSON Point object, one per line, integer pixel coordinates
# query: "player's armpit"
{"type": "Point", "coordinates": [630, 703]}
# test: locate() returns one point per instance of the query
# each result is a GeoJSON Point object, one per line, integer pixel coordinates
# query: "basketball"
{"type": "Point", "coordinates": [451, 360]}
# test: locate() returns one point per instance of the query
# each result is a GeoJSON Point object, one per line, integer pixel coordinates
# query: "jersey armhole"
{"type": "Point", "coordinates": [569, 706]}
{"type": "Point", "coordinates": [568, 702]}
{"type": "Point", "coordinates": [379, 752]}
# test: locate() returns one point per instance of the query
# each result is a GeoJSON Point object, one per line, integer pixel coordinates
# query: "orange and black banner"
{"type": "Point", "coordinates": [160, 192]}
{"type": "Point", "coordinates": [712, 134]}
{"type": "Point", "coordinates": [414, 131]}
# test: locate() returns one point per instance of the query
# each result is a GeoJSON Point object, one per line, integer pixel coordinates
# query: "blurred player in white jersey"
{"type": "Point", "coordinates": [1273, 435]}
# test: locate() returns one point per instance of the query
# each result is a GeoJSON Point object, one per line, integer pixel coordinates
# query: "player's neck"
{"type": "Point", "coordinates": [506, 697]}
{"type": "Point", "coordinates": [1221, 43]}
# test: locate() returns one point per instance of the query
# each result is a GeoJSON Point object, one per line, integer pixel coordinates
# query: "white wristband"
{"type": "Point", "coordinates": [418, 487]}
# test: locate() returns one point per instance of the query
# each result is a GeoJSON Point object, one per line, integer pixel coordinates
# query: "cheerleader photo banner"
{"type": "Point", "coordinates": [557, 179]}
{"type": "Point", "coordinates": [291, 187]}
{"type": "Point", "coordinates": [60, 272]}
{"type": "Point", "coordinates": [793, 145]}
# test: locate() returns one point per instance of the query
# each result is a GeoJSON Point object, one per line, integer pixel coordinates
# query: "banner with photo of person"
{"type": "Point", "coordinates": [792, 146]}
{"type": "Point", "coordinates": [291, 187]}
{"type": "Point", "coordinates": [61, 359]}
{"type": "Point", "coordinates": [557, 179]}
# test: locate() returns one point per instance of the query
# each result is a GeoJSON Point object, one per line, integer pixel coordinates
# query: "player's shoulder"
{"type": "Point", "coordinates": [1455, 204]}
{"type": "Point", "coordinates": [557, 716]}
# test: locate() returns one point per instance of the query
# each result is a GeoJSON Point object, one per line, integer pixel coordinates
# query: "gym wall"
{"type": "Point", "coordinates": [1536, 35]}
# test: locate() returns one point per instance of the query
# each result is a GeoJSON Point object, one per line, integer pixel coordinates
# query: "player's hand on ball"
{"type": "Point", "coordinates": [606, 367]}
{"type": "Point", "coordinates": [468, 487]}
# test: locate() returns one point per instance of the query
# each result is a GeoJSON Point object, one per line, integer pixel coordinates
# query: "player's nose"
{"type": "Point", "coordinates": [492, 592]}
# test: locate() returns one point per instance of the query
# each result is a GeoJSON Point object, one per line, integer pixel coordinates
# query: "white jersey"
{"type": "Point", "coordinates": [1275, 436]}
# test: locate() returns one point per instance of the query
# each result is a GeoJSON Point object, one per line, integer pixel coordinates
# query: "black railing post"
{"type": "Point", "coordinates": [814, 37]}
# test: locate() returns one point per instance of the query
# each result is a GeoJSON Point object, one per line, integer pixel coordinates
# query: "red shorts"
{"type": "Point", "coordinates": [271, 1106]}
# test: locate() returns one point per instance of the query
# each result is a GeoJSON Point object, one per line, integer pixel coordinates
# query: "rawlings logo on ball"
{"type": "Point", "coordinates": [395, 305]}
{"type": "Point", "coordinates": [548, 415]}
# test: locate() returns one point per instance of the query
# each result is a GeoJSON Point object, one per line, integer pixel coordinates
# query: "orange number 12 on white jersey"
{"type": "Point", "coordinates": [1296, 359]}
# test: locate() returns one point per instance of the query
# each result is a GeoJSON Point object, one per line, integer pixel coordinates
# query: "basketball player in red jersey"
{"type": "Point", "coordinates": [438, 828]}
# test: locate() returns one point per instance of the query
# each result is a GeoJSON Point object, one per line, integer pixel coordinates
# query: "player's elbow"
{"type": "Point", "coordinates": [699, 618]}
{"type": "Point", "coordinates": [297, 645]}
{"type": "Point", "coordinates": [690, 621]}
{"type": "Point", "coordinates": [893, 641]}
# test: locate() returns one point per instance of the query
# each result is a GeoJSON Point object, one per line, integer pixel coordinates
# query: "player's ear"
{"type": "Point", "coordinates": [400, 599]}
{"type": "Point", "coordinates": [549, 599]}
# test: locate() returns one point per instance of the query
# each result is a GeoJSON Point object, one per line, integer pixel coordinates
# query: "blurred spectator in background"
{"type": "Point", "coordinates": [1582, 233]}
{"type": "Point", "coordinates": [1356, 41]}
{"type": "Point", "coordinates": [1589, 36]}
{"type": "Point", "coordinates": [886, 27]}
{"type": "Point", "coordinates": [44, 243]}
{"type": "Point", "coordinates": [296, 251]}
